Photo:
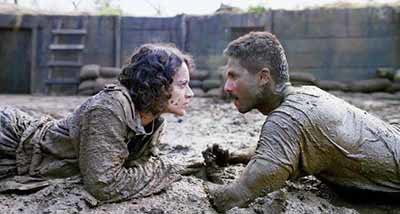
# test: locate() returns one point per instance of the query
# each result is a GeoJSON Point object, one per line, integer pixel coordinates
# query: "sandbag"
{"type": "Point", "coordinates": [303, 77]}
{"type": "Point", "coordinates": [211, 84]}
{"type": "Point", "coordinates": [87, 92]}
{"type": "Point", "coordinates": [89, 72]}
{"type": "Point", "coordinates": [87, 84]}
{"type": "Point", "coordinates": [330, 85]}
{"type": "Point", "coordinates": [196, 83]}
{"type": "Point", "coordinates": [217, 74]}
{"type": "Point", "coordinates": [301, 83]}
{"type": "Point", "coordinates": [396, 76]}
{"type": "Point", "coordinates": [371, 85]}
{"type": "Point", "coordinates": [102, 82]}
{"type": "Point", "coordinates": [96, 85]}
{"type": "Point", "coordinates": [394, 87]}
{"type": "Point", "coordinates": [109, 72]}
{"type": "Point", "coordinates": [387, 73]}
{"type": "Point", "coordinates": [198, 92]}
{"type": "Point", "coordinates": [199, 75]}
{"type": "Point", "coordinates": [216, 92]}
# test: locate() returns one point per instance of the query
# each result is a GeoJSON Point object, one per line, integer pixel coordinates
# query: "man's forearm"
{"type": "Point", "coordinates": [243, 156]}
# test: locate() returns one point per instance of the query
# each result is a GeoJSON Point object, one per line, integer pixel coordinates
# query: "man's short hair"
{"type": "Point", "coordinates": [257, 50]}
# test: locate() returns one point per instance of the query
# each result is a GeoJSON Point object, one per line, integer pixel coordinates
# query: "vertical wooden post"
{"type": "Point", "coordinates": [33, 86]}
{"type": "Point", "coordinates": [117, 35]}
{"type": "Point", "coordinates": [183, 29]}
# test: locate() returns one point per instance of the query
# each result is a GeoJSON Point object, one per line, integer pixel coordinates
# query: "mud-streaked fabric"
{"type": "Point", "coordinates": [315, 133]}
{"type": "Point", "coordinates": [13, 123]}
{"type": "Point", "coordinates": [98, 141]}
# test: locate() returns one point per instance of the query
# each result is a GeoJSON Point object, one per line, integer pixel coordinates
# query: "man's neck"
{"type": "Point", "coordinates": [272, 99]}
{"type": "Point", "coordinates": [271, 103]}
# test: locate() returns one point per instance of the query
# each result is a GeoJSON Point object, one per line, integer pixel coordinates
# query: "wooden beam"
{"type": "Point", "coordinates": [33, 85]}
{"type": "Point", "coordinates": [117, 30]}
{"type": "Point", "coordinates": [69, 31]}
{"type": "Point", "coordinates": [66, 47]}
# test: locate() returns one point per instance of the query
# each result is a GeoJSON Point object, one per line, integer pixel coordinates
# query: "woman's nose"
{"type": "Point", "coordinates": [189, 92]}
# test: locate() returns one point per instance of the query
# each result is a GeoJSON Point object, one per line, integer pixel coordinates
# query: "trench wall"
{"type": "Point", "coordinates": [334, 44]}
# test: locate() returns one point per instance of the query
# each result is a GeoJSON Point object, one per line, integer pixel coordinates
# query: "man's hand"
{"type": "Point", "coordinates": [216, 155]}
{"type": "Point", "coordinates": [217, 196]}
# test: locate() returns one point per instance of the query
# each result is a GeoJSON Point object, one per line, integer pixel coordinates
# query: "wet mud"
{"type": "Point", "coordinates": [208, 121]}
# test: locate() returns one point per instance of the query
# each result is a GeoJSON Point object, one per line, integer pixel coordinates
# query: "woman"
{"type": "Point", "coordinates": [110, 140]}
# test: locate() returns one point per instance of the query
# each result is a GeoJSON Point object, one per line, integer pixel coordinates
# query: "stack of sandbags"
{"type": "Point", "coordinates": [214, 85]}
{"type": "Point", "coordinates": [93, 78]}
{"type": "Point", "coordinates": [381, 84]}
{"type": "Point", "coordinates": [369, 86]}
{"type": "Point", "coordinates": [196, 81]}
{"type": "Point", "coordinates": [331, 85]}
{"type": "Point", "coordinates": [206, 84]}
{"type": "Point", "coordinates": [393, 76]}
{"type": "Point", "coordinates": [361, 86]}
{"type": "Point", "coordinates": [387, 73]}
{"type": "Point", "coordinates": [395, 86]}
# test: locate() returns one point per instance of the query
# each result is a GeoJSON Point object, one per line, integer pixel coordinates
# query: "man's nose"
{"type": "Point", "coordinates": [228, 87]}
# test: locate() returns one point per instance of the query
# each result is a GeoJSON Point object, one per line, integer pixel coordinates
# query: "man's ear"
{"type": "Point", "coordinates": [264, 76]}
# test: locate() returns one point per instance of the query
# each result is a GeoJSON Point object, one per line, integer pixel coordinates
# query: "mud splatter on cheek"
{"type": "Point", "coordinates": [174, 102]}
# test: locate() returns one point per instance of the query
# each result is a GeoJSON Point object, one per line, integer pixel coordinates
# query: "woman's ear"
{"type": "Point", "coordinates": [264, 76]}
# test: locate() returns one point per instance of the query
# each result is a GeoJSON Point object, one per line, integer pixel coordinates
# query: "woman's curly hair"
{"type": "Point", "coordinates": [149, 75]}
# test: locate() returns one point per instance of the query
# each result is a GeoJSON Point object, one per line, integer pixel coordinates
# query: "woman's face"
{"type": "Point", "coordinates": [181, 93]}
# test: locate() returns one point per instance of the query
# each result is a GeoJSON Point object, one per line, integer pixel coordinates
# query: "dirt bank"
{"type": "Point", "coordinates": [208, 121]}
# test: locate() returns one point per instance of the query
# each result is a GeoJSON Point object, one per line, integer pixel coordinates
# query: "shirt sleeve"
{"type": "Point", "coordinates": [103, 152]}
{"type": "Point", "coordinates": [275, 161]}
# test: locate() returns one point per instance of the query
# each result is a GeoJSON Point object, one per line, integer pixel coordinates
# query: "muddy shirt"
{"type": "Point", "coordinates": [315, 133]}
{"type": "Point", "coordinates": [104, 141]}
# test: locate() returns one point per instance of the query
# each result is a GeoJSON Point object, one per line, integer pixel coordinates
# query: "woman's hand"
{"type": "Point", "coordinates": [195, 168]}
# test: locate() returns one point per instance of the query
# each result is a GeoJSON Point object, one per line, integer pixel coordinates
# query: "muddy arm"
{"type": "Point", "coordinates": [242, 156]}
{"type": "Point", "coordinates": [216, 155]}
{"type": "Point", "coordinates": [259, 177]}
{"type": "Point", "coordinates": [275, 161]}
{"type": "Point", "coordinates": [103, 152]}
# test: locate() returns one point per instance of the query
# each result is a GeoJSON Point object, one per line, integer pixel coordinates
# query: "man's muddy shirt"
{"type": "Point", "coordinates": [104, 141]}
{"type": "Point", "coordinates": [315, 133]}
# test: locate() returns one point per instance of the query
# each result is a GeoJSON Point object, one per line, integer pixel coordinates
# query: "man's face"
{"type": "Point", "coordinates": [181, 93]}
{"type": "Point", "coordinates": [242, 85]}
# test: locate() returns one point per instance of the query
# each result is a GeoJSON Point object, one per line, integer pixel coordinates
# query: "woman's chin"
{"type": "Point", "coordinates": [179, 113]}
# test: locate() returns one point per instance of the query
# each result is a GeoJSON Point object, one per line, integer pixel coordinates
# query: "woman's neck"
{"type": "Point", "coordinates": [146, 118]}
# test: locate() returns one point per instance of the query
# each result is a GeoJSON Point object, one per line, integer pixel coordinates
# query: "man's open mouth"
{"type": "Point", "coordinates": [232, 97]}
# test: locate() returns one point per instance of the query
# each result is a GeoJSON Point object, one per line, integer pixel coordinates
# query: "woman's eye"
{"type": "Point", "coordinates": [183, 84]}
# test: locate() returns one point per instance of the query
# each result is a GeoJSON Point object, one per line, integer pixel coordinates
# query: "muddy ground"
{"type": "Point", "coordinates": [209, 120]}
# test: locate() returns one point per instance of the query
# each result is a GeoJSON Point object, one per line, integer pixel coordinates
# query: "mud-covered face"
{"type": "Point", "coordinates": [181, 93]}
{"type": "Point", "coordinates": [242, 85]}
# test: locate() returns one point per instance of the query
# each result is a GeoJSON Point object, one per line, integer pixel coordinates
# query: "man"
{"type": "Point", "coordinates": [307, 132]}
